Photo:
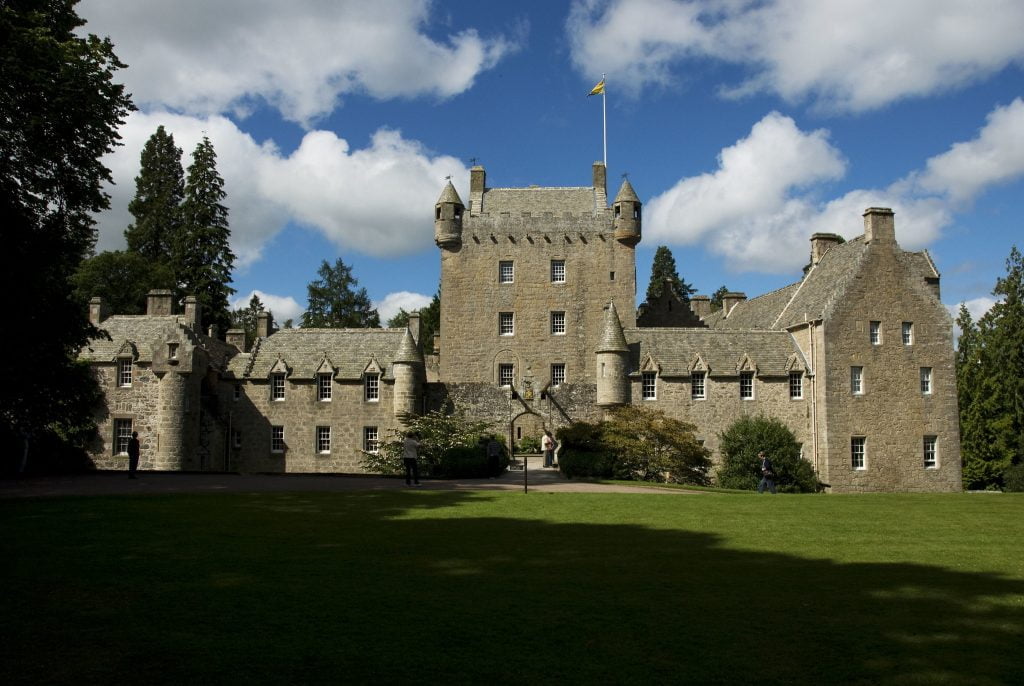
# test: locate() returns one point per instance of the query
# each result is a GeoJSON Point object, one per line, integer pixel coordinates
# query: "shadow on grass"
{"type": "Point", "coordinates": [426, 587]}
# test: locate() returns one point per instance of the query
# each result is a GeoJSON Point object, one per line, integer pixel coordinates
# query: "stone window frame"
{"type": "Point", "coordinates": [125, 372]}
{"type": "Point", "coordinates": [558, 327]}
{"type": "Point", "coordinates": [371, 387]}
{"type": "Point", "coordinates": [559, 272]}
{"type": "Point", "coordinates": [371, 439]}
{"type": "Point", "coordinates": [698, 385]}
{"type": "Point", "coordinates": [506, 374]}
{"type": "Point", "coordinates": [277, 444]}
{"type": "Point", "coordinates": [506, 324]}
{"type": "Point", "coordinates": [236, 438]}
{"type": "Point", "coordinates": [875, 332]}
{"type": "Point", "coordinates": [927, 386]}
{"type": "Point", "coordinates": [857, 385]}
{"type": "Point", "coordinates": [649, 385]}
{"type": "Point", "coordinates": [859, 453]}
{"type": "Point", "coordinates": [277, 387]}
{"type": "Point", "coordinates": [122, 433]}
{"type": "Point", "coordinates": [237, 394]}
{"type": "Point", "coordinates": [796, 385]}
{"type": "Point", "coordinates": [506, 275]}
{"type": "Point", "coordinates": [323, 440]}
{"type": "Point", "coordinates": [930, 451]}
{"type": "Point", "coordinates": [747, 385]}
{"type": "Point", "coordinates": [557, 373]}
{"type": "Point", "coordinates": [172, 352]}
{"type": "Point", "coordinates": [908, 333]}
{"type": "Point", "coordinates": [324, 387]}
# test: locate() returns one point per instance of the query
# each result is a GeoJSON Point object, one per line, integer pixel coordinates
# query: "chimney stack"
{"type": "Point", "coordinates": [158, 302]}
{"type": "Point", "coordinates": [264, 324]}
{"type": "Point", "coordinates": [879, 225]}
{"type": "Point", "coordinates": [477, 183]}
{"type": "Point", "coordinates": [414, 326]}
{"type": "Point", "coordinates": [731, 300]}
{"type": "Point", "coordinates": [701, 305]}
{"type": "Point", "coordinates": [236, 337]}
{"type": "Point", "coordinates": [601, 184]}
{"type": "Point", "coordinates": [822, 243]}
{"type": "Point", "coordinates": [97, 311]}
{"type": "Point", "coordinates": [192, 313]}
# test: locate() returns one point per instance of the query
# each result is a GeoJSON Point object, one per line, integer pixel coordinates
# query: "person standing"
{"type": "Point", "coordinates": [547, 444]}
{"type": "Point", "coordinates": [410, 457]}
{"type": "Point", "coordinates": [133, 454]}
{"type": "Point", "coordinates": [767, 474]}
{"type": "Point", "coordinates": [493, 456]}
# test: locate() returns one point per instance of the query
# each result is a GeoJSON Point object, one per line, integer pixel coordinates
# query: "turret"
{"type": "Point", "coordinates": [408, 368]}
{"type": "Point", "coordinates": [626, 215]}
{"type": "Point", "coordinates": [612, 362]}
{"type": "Point", "coordinates": [448, 218]}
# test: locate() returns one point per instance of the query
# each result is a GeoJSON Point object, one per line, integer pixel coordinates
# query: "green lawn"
{"type": "Point", "coordinates": [470, 587]}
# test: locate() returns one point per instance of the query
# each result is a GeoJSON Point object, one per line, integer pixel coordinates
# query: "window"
{"type": "Point", "coordinates": [506, 272]}
{"type": "Point", "coordinates": [611, 276]}
{"type": "Point", "coordinates": [908, 333]}
{"type": "Point", "coordinates": [124, 371]}
{"type": "Point", "coordinates": [926, 380]}
{"type": "Point", "coordinates": [371, 440]}
{"type": "Point", "coordinates": [557, 271]}
{"type": "Point", "coordinates": [649, 386]}
{"type": "Point", "coordinates": [697, 391]}
{"type": "Point", "coordinates": [324, 387]}
{"type": "Point", "coordinates": [236, 438]}
{"type": "Point", "coordinates": [277, 386]}
{"type": "Point", "coordinates": [172, 351]}
{"type": "Point", "coordinates": [558, 374]}
{"type": "Point", "coordinates": [238, 391]}
{"type": "Point", "coordinates": [858, 452]}
{"type": "Point", "coordinates": [506, 374]}
{"type": "Point", "coordinates": [876, 333]}
{"type": "Point", "coordinates": [796, 385]}
{"type": "Point", "coordinates": [323, 440]}
{"type": "Point", "coordinates": [122, 434]}
{"type": "Point", "coordinates": [747, 385]}
{"type": "Point", "coordinates": [506, 324]}
{"type": "Point", "coordinates": [558, 323]}
{"type": "Point", "coordinates": [931, 452]}
{"type": "Point", "coordinates": [277, 439]}
{"type": "Point", "coordinates": [371, 388]}
{"type": "Point", "coordinates": [857, 380]}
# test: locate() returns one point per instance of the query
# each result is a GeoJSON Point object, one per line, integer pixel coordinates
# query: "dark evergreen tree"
{"type": "Point", "coordinates": [741, 468]}
{"type": "Point", "coordinates": [430, 321]}
{"type": "Point", "coordinates": [663, 271]}
{"type": "Point", "coordinates": [716, 297]}
{"type": "Point", "coordinates": [335, 303]}
{"type": "Point", "coordinates": [122, 279]}
{"type": "Point", "coordinates": [202, 253]}
{"type": "Point", "coordinates": [159, 192]}
{"type": "Point", "coordinates": [59, 114]}
{"type": "Point", "coordinates": [245, 318]}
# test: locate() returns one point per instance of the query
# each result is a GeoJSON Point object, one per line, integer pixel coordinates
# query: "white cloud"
{"type": "Point", "coordinates": [977, 307]}
{"type": "Point", "coordinates": [846, 54]}
{"type": "Point", "coordinates": [404, 300]}
{"type": "Point", "coordinates": [282, 307]}
{"type": "Point", "coordinates": [374, 200]}
{"type": "Point", "coordinates": [203, 57]}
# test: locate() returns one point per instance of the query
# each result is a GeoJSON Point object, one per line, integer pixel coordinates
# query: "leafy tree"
{"type": "Point", "coordinates": [716, 297]}
{"type": "Point", "coordinates": [202, 254]}
{"type": "Point", "coordinates": [159, 192]}
{"type": "Point", "coordinates": [430, 321]}
{"type": "Point", "coordinates": [440, 431]}
{"type": "Point", "coordinates": [122, 279]}
{"type": "Point", "coordinates": [741, 467]}
{"type": "Point", "coordinates": [245, 318]}
{"type": "Point", "coordinates": [334, 302]}
{"type": "Point", "coordinates": [663, 271]}
{"type": "Point", "coordinates": [59, 114]}
{"type": "Point", "coordinates": [650, 446]}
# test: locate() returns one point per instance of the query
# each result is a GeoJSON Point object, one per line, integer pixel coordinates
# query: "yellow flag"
{"type": "Point", "coordinates": [598, 89]}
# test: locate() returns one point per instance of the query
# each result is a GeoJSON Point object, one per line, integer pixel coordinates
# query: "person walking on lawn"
{"type": "Point", "coordinates": [767, 474]}
{"type": "Point", "coordinates": [133, 454]}
{"type": "Point", "coordinates": [410, 456]}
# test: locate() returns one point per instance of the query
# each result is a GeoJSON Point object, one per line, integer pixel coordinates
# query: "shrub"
{"type": "Point", "coordinates": [580, 463]}
{"type": "Point", "coordinates": [741, 467]}
{"type": "Point", "coordinates": [648, 445]}
{"type": "Point", "coordinates": [1013, 479]}
{"type": "Point", "coordinates": [529, 445]}
{"type": "Point", "coordinates": [580, 436]}
{"type": "Point", "coordinates": [439, 431]}
{"type": "Point", "coordinates": [463, 462]}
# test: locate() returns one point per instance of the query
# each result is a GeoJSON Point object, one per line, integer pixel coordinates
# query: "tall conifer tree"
{"type": "Point", "coordinates": [202, 252]}
{"type": "Point", "coordinates": [663, 271]}
{"type": "Point", "coordinates": [335, 303]}
{"type": "Point", "coordinates": [156, 207]}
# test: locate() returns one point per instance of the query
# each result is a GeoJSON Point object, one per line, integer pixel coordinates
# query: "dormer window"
{"type": "Point", "coordinates": [371, 388]}
{"type": "Point", "coordinates": [124, 372]}
{"type": "Point", "coordinates": [277, 386]}
{"type": "Point", "coordinates": [323, 387]}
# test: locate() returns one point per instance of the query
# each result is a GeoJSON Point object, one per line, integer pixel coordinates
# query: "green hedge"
{"type": "Point", "coordinates": [469, 463]}
{"type": "Point", "coordinates": [577, 463]}
{"type": "Point", "coordinates": [1013, 479]}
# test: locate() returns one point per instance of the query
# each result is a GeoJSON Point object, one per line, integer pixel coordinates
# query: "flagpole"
{"type": "Point", "coordinates": [604, 121]}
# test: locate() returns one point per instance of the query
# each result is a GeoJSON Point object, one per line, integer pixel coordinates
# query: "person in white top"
{"type": "Point", "coordinates": [410, 456]}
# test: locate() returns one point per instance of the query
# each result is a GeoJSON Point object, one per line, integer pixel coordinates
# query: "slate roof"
{"type": "Point", "coordinates": [142, 331]}
{"type": "Point", "coordinates": [823, 283]}
{"type": "Point", "coordinates": [348, 350]}
{"type": "Point", "coordinates": [756, 313]}
{"type": "Point", "coordinates": [676, 349]}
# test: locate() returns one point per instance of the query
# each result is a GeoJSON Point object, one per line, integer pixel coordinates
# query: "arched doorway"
{"type": "Point", "coordinates": [527, 425]}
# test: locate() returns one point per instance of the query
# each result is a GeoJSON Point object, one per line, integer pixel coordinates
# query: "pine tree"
{"type": "Point", "coordinates": [663, 271]}
{"type": "Point", "coordinates": [159, 192]}
{"type": "Point", "coordinates": [335, 303]}
{"type": "Point", "coordinates": [202, 254]}
{"type": "Point", "coordinates": [716, 297]}
{"type": "Point", "coordinates": [245, 318]}
{"type": "Point", "coordinates": [430, 320]}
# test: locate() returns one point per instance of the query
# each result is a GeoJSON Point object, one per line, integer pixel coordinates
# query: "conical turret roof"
{"type": "Point", "coordinates": [449, 194]}
{"type": "Point", "coordinates": [626, 192]}
{"type": "Point", "coordinates": [612, 338]}
{"type": "Point", "coordinates": [407, 351]}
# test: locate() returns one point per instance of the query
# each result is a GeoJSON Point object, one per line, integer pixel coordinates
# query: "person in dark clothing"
{"type": "Point", "coordinates": [767, 474]}
{"type": "Point", "coordinates": [133, 454]}
{"type": "Point", "coordinates": [493, 456]}
{"type": "Point", "coordinates": [410, 457]}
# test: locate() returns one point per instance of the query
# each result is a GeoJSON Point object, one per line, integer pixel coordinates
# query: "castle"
{"type": "Point", "coordinates": [538, 329]}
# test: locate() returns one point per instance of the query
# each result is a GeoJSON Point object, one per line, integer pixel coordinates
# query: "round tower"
{"type": "Point", "coordinates": [448, 218]}
{"type": "Point", "coordinates": [407, 367]}
{"type": "Point", "coordinates": [612, 362]}
{"type": "Point", "coordinates": [626, 215]}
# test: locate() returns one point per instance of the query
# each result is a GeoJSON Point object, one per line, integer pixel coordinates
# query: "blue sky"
{"type": "Point", "coordinates": [744, 126]}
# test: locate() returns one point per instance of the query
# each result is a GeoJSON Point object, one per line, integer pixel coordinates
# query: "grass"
{"type": "Point", "coordinates": [502, 587]}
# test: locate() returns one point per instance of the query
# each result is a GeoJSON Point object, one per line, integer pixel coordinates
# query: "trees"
{"type": "Point", "coordinates": [663, 271]}
{"type": "Point", "coordinates": [335, 303]}
{"type": "Point", "coordinates": [202, 256]}
{"type": "Point", "coordinates": [741, 467]}
{"type": "Point", "coordinates": [122, 279]}
{"type": "Point", "coordinates": [245, 318]}
{"type": "Point", "coordinates": [990, 383]}
{"type": "Point", "coordinates": [440, 433]}
{"type": "Point", "coordinates": [716, 297]}
{"type": "Point", "coordinates": [430, 321]}
{"type": "Point", "coordinates": [159, 192]}
{"type": "Point", "coordinates": [650, 446]}
{"type": "Point", "coordinates": [59, 114]}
